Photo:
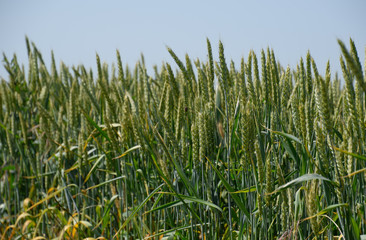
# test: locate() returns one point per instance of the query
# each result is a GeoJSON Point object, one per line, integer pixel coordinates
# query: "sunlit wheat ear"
{"type": "Point", "coordinates": [163, 93]}
{"type": "Point", "coordinates": [341, 171]}
{"type": "Point", "coordinates": [121, 75]}
{"type": "Point", "coordinates": [210, 73]}
{"type": "Point", "coordinates": [248, 136]}
{"type": "Point", "coordinates": [309, 115]}
{"type": "Point", "coordinates": [350, 159]}
{"type": "Point", "coordinates": [353, 62]}
{"type": "Point", "coordinates": [286, 88]}
{"type": "Point", "coordinates": [179, 118]}
{"type": "Point", "coordinates": [260, 165]}
{"type": "Point", "coordinates": [184, 146]}
{"type": "Point", "coordinates": [359, 96]}
{"type": "Point", "coordinates": [200, 84]}
{"type": "Point", "coordinates": [264, 78]}
{"type": "Point", "coordinates": [9, 141]}
{"type": "Point", "coordinates": [223, 68]}
{"type": "Point", "coordinates": [251, 89]}
{"type": "Point", "coordinates": [311, 208]}
{"type": "Point", "coordinates": [72, 106]}
{"type": "Point", "coordinates": [190, 70]}
{"type": "Point", "coordinates": [303, 121]}
{"type": "Point", "coordinates": [328, 86]}
{"type": "Point", "coordinates": [322, 163]}
{"type": "Point", "coordinates": [242, 83]}
{"type": "Point", "coordinates": [202, 136]}
{"type": "Point", "coordinates": [233, 77]}
{"type": "Point", "coordinates": [104, 87]}
{"type": "Point", "coordinates": [309, 81]}
{"type": "Point", "coordinates": [284, 214]}
{"type": "Point", "coordinates": [182, 68]}
{"type": "Point", "coordinates": [257, 83]}
{"type": "Point", "coordinates": [275, 78]}
{"type": "Point", "coordinates": [172, 80]}
{"type": "Point", "coordinates": [126, 120]}
{"type": "Point", "coordinates": [302, 80]}
{"type": "Point", "coordinates": [195, 144]}
{"type": "Point", "coordinates": [353, 123]}
{"type": "Point", "coordinates": [144, 85]}
{"type": "Point", "coordinates": [322, 103]}
{"type": "Point", "coordinates": [269, 183]}
{"type": "Point", "coordinates": [294, 103]}
{"type": "Point", "coordinates": [168, 114]}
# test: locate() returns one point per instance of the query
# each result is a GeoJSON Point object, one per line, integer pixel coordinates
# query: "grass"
{"type": "Point", "coordinates": [204, 151]}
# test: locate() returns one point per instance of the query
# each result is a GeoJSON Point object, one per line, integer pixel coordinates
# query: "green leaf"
{"type": "Point", "coordinates": [106, 182]}
{"type": "Point", "coordinates": [200, 201]}
{"type": "Point", "coordinates": [105, 217]}
{"type": "Point", "coordinates": [127, 151]}
{"type": "Point", "coordinates": [93, 168]}
{"type": "Point", "coordinates": [331, 207]}
{"type": "Point", "coordinates": [288, 136]}
{"type": "Point", "coordinates": [351, 154]}
{"type": "Point", "coordinates": [355, 228]}
{"type": "Point", "coordinates": [247, 190]}
{"type": "Point", "coordinates": [94, 124]}
{"type": "Point", "coordinates": [303, 178]}
{"type": "Point", "coordinates": [50, 196]}
{"type": "Point", "coordinates": [180, 172]}
{"type": "Point", "coordinates": [172, 231]}
{"type": "Point", "coordinates": [132, 215]}
{"type": "Point", "coordinates": [168, 205]}
{"type": "Point", "coordinates": [187, 199]}
{"type": "Point", "coordinates": [230, 190]}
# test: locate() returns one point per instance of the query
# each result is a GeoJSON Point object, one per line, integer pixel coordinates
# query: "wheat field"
{"type": "Point", "coordinates": [204, 149]}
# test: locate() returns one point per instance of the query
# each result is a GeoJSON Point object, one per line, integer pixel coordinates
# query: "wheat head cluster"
{"type": "Point", "coordinates": [204, 149]}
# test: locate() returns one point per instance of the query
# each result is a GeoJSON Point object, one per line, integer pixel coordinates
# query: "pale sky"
{"type": "Point", "coordinates": [78, 29]}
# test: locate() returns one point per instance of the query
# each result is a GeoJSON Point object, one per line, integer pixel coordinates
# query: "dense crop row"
{"type": "Point", "coordinates": [208, 151]}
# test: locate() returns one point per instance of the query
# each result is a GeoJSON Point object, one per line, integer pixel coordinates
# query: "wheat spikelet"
{"type": "Point", "coordinates": [302, 116]}
{"type": "Point", "coordinates": [286, 88]}
{"type": "Point", "coordinates": [103, 84]}
{"type": "Point", "coordinates": [309, 81]}
{"type": "Point", "coordinates": [195, 143]}
{"type": "Point", "coordinates": [202, 130]}
{"type": "Point", "coordinates": [309, 121]}
{"type": "Point", "coordinates": [169, 107]}
{"type": "Point", "coordinates": [202, 84]}
{"type": "Point", "coordinates": [350, 99]}
{"type": "Point", "coordinates": [275, 79]}
{"type": "Point", "coordinates": [211, 73]}
{"type": "Point", "coordinates": [359, 99]}
{"type": "Point", "coordinates": [322, 163]}
{"type": "Point", "coordinates": [247, 135]}
{"type": "Point", "coordinates": [182, 68]}
{"type": "Point", "coordinates": [121, 75]}
{"type": "Point", "coordinates": [329, 88]}
{"type": "Point", "coordinates": [353, 62]}
{"type": "Point", "coordinates": [172, 81]}
{"type": "Point", "coordinates": [311, 194]}
{"type": "Point", "coordinates": [224, 72]}
{"type": "Point", "coordinates": [190, 70]}
{"type": "Point", "coordinates": [243, 88]}
{"type": "Point", "coordinates": [179, 118]}
{"type": "Point", "coordinates": [251, 89]}
{"type": "Point", "coordinates": [269, 183]}
{"type": "Point", "coordinates": [295, 109]}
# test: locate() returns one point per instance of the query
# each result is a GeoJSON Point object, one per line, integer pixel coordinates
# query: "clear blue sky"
{"type": "Point", "coordinates": [77, 29]}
